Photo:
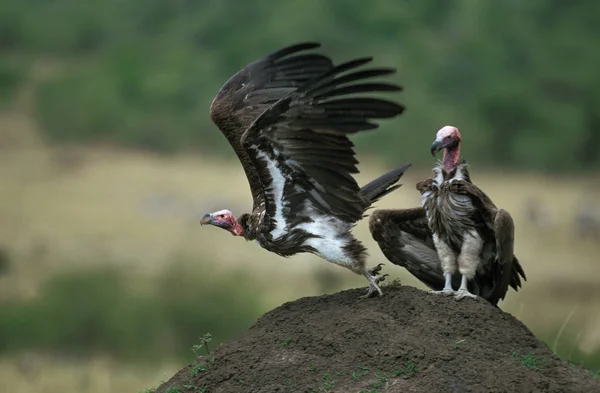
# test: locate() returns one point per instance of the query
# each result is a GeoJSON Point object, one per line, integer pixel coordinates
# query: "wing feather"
{"type": "Point", "coordinates": [257, 86]}
{"type": "Point", "coordinates": [301, 134]}
{"type": "Point", "coordinates": [501, 268]}
{"type": "Point", "coordinates": [405, 239]}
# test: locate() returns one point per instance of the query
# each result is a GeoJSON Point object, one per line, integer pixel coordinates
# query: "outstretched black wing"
{"type": "Point", "coordinates": [257, 86]}
{"type": "Point", "coordinates": [301, 151]}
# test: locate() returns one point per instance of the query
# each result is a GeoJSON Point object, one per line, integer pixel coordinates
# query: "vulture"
{"type": "Point", "coordinates": [457, 238]}
{"type": "Point", "coordinates": [287, 116]}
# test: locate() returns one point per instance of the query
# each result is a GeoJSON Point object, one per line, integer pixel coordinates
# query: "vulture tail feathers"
{"type": "Point", "coordinates": [517, 273]}
{"type": "Point", "coordinates": [383, 185]}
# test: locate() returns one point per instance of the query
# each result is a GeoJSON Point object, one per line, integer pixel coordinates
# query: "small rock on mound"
{"type": "Point", "coordinates": [405, 341]}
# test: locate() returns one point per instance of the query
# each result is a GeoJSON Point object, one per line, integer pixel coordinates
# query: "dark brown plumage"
{"type": "Point", "coordinates": [288, 116]}
{"type": "Point", "coordinates": [457, 225]}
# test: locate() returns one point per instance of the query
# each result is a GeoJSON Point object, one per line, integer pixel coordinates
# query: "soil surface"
{"type": "Point", "coordinates": [406, 341]}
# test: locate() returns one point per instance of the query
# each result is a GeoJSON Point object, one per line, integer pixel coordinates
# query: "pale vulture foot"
{"type": "Point", "coordinates": [463, 293]}
{"type": "Point", "coordinates": [447, 291]}
{"type": "Point", "coordinates": [371, 275]}
{"type": "Point", "coordinates": [444, 292]}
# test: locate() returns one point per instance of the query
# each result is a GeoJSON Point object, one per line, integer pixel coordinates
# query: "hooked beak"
{"type": "Point", "coordinates": [436, 147]}
{"type": "Point", "coordinates": [206, 219]}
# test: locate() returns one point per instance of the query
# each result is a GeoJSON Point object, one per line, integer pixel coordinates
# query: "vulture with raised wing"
{"type": "Point", "coordinates": [287, 117]}
{"type": "Point", "coordinates": [458, 227]}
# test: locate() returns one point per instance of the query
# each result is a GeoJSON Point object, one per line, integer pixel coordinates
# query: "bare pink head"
{"type": "Point", "coordinates": [448, 139]}
{"type": "Point", "coordinates": [223, 219]}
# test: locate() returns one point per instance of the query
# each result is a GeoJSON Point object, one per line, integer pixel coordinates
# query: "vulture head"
{"type": "Point", "coordinates": [223, 219]}
{"type": "Point", "coordinates": [447, 139]}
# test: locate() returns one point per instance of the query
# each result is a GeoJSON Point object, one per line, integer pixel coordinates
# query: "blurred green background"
{"type": "Point", "coordinates": [108, 158]}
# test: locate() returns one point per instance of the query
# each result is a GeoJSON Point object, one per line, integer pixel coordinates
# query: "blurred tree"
{"type": "Point", "coordinates": [518, 77]}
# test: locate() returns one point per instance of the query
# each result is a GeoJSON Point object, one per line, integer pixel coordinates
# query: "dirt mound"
{"type": "Point", "coordinates": [406, 341]}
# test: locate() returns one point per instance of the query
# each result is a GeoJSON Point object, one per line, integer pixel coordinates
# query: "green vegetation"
{"type": "Point", "coordinates": [409, 370]}
{"type": "Point", "coordinates": [142, 74]}
{"type": "Point", "coordinates": [530, 361]}
{"type": "Point", "coordinates": [360, 372]}
{"type": "Point", "coordinates": [375, 386]}
{"type": "Point", "coordinates": [204, 340]}
{"type": "Point", "coordinates": [101, 311]}
{"type": "Point", "coordinates": [285, 342]}
{"type": "Point", "coordinates": [593, 373]}
{"type": "Point", "coordinates": [199, 364]}
{"type": "Point", "coordinates": [328, 383]}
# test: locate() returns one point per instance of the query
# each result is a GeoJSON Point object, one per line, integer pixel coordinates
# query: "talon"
{"type": "Point", "coordinates": [372, 292]}
{"type": "Point", "coordinates": [461, 294]}
{"type": "Point", "coordinates": [381, 278]}
{"type": "Point", "coordinates": [373, 280]}
{"type": "Point", "coordinates": [443, 292]}
{"type": "Point", "coordinates": [375, 270]}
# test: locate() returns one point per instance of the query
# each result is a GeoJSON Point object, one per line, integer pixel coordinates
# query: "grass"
{"type": "Point", "coordinates": [328, 383]}
{"type": "Point", "coordinates": [62, 208]}
{"type": "Point", "coordinates": [530, 361]}
{"type": "Point", "coordinates": [97, 311]}
{"type": "Point", "coordinates": [95, 375]}
{"type": "Point", "coordinates": [285, 342]}
{"type": "Point", "coordinates": [198, 367]}
{"type": "Point", "coordinates": [593, 373]}
{"type": "Point", "coordinates": [360, 372]}
{"type": "Point", "coordinates": [199, 364]}
{"type": "Point", "coordinates": [409, 370]}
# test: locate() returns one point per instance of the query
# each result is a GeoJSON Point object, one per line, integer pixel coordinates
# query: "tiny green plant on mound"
{"type": "Point", "coordinates": [458, 342]}
{"type": "Point", "coordinates": [594, 374]}
{"type": "Point", "coordinates": [328, 383]}
{"type": "Point", "coordinates": [360, 372]}
{"type": "Point", "coordinates": [204, 340]}
{"type": "Point", "coordinates": [173, 389]}
{"type": "Point", "coordinates": [200, 365]}
{"type": "Point", "coordinates": [409, 370]}
{"type": "Point", "coordinates": [375, 387]}
{"type": "Point", "coordinates": [529, 361]}
{"type": "Point", "coordinates": [285, 342]}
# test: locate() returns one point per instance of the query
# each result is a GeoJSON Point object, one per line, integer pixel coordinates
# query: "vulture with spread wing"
{"type": "Point", "coordinates": [458, 227]}
{"type": "Point", "coordinates": [287, 116]}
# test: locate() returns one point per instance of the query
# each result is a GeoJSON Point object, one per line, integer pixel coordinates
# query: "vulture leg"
{"type": "Point", "coordinates": [468, 260]}
{"type": "Point", "coordinates": [448, 259]}
{"type": "Point", "coordinates": [463, 292]}
{"type": "Point", "coordinates": [371, 275]}
{"type": "Point", "coordinates": [447, 290]}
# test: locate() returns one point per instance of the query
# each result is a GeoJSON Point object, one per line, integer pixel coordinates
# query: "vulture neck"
{"type": "Point", "coordinates": [246, 226]}
{"type": "Point", "coordinates": [451, 157]}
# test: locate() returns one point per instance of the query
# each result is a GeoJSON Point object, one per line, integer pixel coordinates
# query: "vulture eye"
{"type": "Point", "coordinates": [222, 215]}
